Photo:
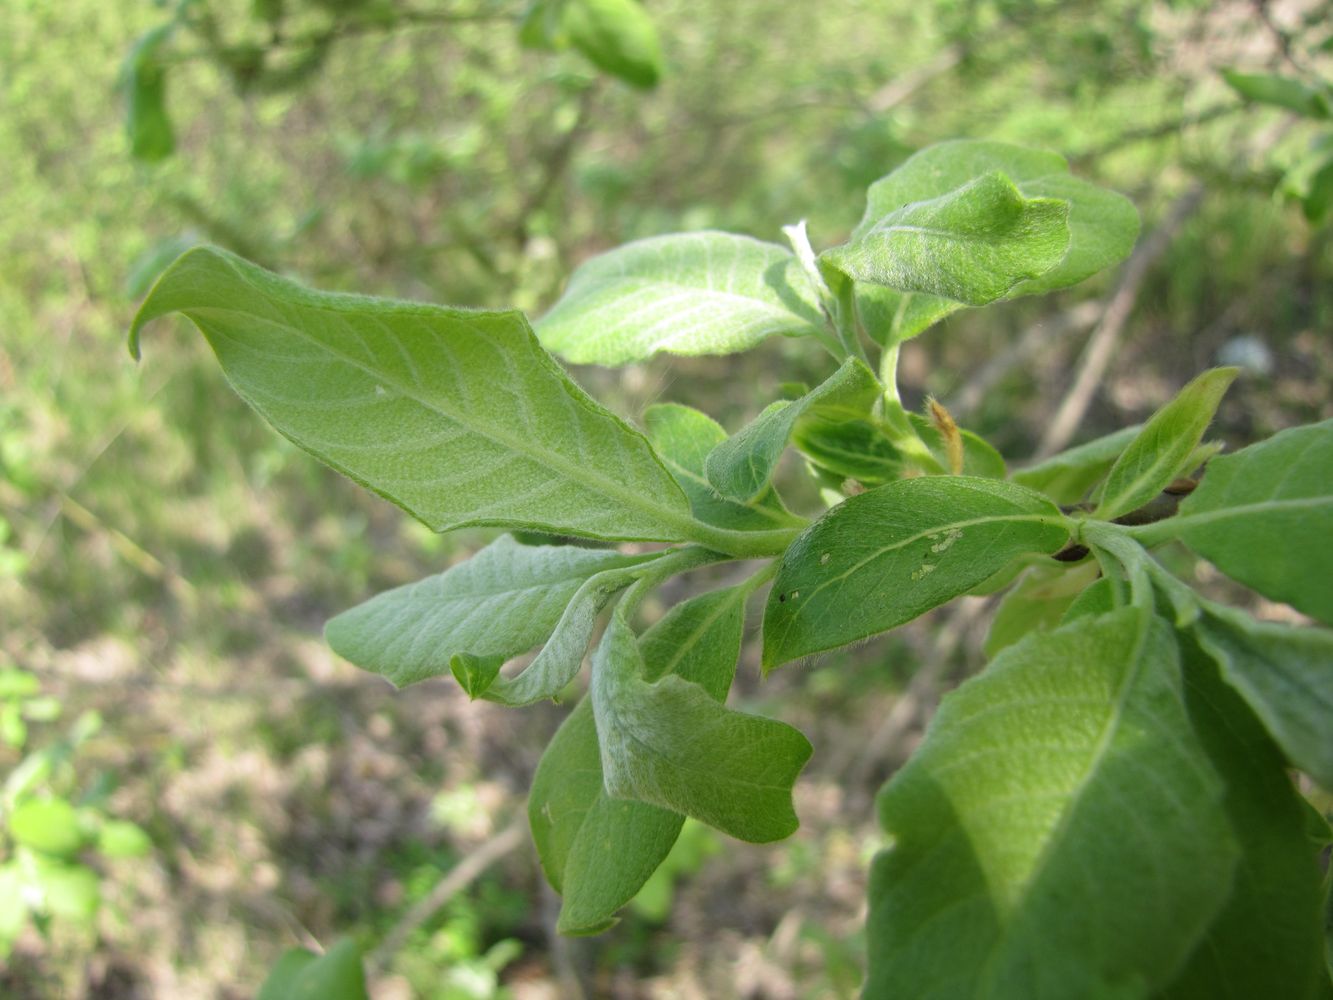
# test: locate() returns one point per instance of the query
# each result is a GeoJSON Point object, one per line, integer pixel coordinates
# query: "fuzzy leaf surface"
{"type": "Point", "coordinates": [1264, 516]}
{"type": "Point", "coordinates": [888, 555]}
{"type": "Point", "coordinates": [597, 851]}
{"type": "Point", "coordinates": [503, 601]}
{"type": "Point", "coordinates": [1068, 476]}
{"type": "Point", "coordinates": [1268, 931]}
{"type": "Point", "coordinates": [972, 245]}
{"type": "Point", "coordinates": [457, 416]}
{"type": "Point", "coordinates": [686, 293]}
{"type": "Point", "coordinates": [742, 466]}
{"type": "Point", "coordinates": [684, 437]}
{"type": "Point", "coordinates": [671, 744]}
{"type": "Point", "coordinates": [1285, 674]}
{"type": "Point", "coordinates": [1060, 833]}
{"type": "Point", "coordinates": [1162, 450]}
{"type": "Point", "coordinates": [1102, 224]}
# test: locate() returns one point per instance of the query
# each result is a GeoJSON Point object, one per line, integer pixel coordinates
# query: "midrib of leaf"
{"type": "Point", "coordinates": [1161, 531]}
{"type": "Point", "coordinates": [953, 236]}
{"type": "Point", "coordinates": [711, 775]}
{"type": "Point", "coordinates": [1054, 838]}
{"type": "Point", "coordinates": [609, 487]}
{"type": "Point", "coordinates": [936, 530]}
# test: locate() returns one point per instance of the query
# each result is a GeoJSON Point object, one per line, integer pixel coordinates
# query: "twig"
{"type": "Point", "coordinates": [1101, 345]}
{"type": "Point", "coordinates": [901, 87]}
{"type": "Point", "coordinates": [455, 881]}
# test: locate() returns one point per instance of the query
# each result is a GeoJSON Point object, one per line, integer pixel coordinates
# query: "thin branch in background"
{"type": "Point", "coordinates": [1161, 130]}
{"type": "Point", "coordinates": [455, 881]}
{"type": "Point", "coordinates": [1102, 344]}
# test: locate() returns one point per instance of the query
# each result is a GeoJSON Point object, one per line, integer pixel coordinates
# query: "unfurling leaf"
{"type": "Point", "coordinates": [457, 416]}
{"type": "Point", "coordinates": [597, 851]}
{"type": "Point", "coordinates": [884, 557]}
{"type": "Point", "coordinates": [671, 744]}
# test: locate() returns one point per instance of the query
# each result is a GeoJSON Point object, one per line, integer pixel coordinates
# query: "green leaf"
{"type": "Point", "coordinates": [1098, 599]}
{"type": "Point", "coordinates": [303, 975]}
{"type": "Point", "coordinates": [1286, 676]}
{"type": "Point", "coordinates": [848, 449]}
{"type": "Point", "coordinates": [671, 744]}
{"type": "Point", "coordinates": [598, 851]}
{"type": "Point", "coordinates": [683, 438]}
{"type": "Point", "coordinates": [1280, 91]}
{"type": "Point", "coordinates": [15, 683]}
{"type": "Point", "coordinates": [686, 293]}
{"type": "Point", "coordinates": [457, 416]}
{"type": "Point", "coordinates": [151, 136]}
{"type": "Point", "coordinates": [972, 245]}
{"type": "Point", "coordinates": [505, 600]}
{"type": "Point", "coordinates": [69, 892]}
{"type": "Point", "coordinates": [1037, 603]}
{"type": "Point", "coordinates": [1264, 516]}
{"type": "Point", "coordinates": [1102, 224]}
{"type": "Point", "coordinates": [1068, 476]}
{"type": "Point", "coordinates": [888, 555]}
{"type": "Point", "coordinates": [13, 905]}
{"type": "Point", "coordinates": [616, 36]}
{"type": "Point", "coordinates": [1060, 832]}
{"type": "Point", "coordinates": [120, 838]}
{"type": "Point", "coordinates": [47, 825]}
{"type": "Point", "coordinates": [1162, 450]}
{"type": "Point", "coordinates": [1268, 931]}
{"type": "Point", "coordinates": [740, 467]}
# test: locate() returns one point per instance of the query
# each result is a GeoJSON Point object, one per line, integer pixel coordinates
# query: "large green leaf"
{"type": "Point", "coordinates": [888, 555]}
{"type": "Point", "coordinates": [503, 601]}
{"type": "Point", "coordinates": [1162, 450]}
{"type": "Point", "coordinates": [1060, 832]}
{"type": "Point", "coordinates": [1068, 476]}
{"type": "Point", "coordinates": [598, 851]}
{"type": "Point", "coordinates": [1286, 676]}
{"type": "Point", "coordinates": [457, 416]}
{"type": "Point", "coordinates": [671, 744]}
{"type": "Point", "coordinates": [616, 36]}
{"type": "Point", "coordinates": [1268, 932]}
{"type": "Point", "coordinates": [741, 467]}
{"type": "Point", "coordinates": [1265, 517]}
{"type": "Point", "coordinates": [1102, 224]}
{"type": "Point", "coordinates": [684, 437]}
{"type": "Point", "coordinates": [687, 293]}
{"type": "Point", "coordinates": [972, 245]}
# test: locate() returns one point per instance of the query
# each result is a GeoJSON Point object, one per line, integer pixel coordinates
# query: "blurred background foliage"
{"type": "Point", "coordinates": [166, 562]}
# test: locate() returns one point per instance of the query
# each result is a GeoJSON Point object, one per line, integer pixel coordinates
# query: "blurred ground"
{"type": "Point", "coordinates": [167, 560]}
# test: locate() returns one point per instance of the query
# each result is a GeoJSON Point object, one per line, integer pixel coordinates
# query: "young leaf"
{"type": "Point", "coordinates": [1264, 516]}
{"type": "Point", "coordinates": [888, 555]}
{"type": "Point", "coordinates": [503, 601]}
{"type": "Point", "coordinates": [849, 449]}
{"type": "Point", "coordinates": [683, 438]}
{"type": "Point", "coordinates": [597, 851]}
{"type": "Point", "coordinates": [616, 36]}
{"type": "Point", "coordinates": [457, 416]}
{"type": "Point", "coordinates": [1162, 450]}
{"type": "Point", "coordinates": [972, 245]}
{"type": "Point", "coordinates": [1280, 91]}
{"type": "Point", "coordinates": [1268, 931]}
{"type": "Point", "coordinates": [302, 975]}
{"type": "Point", "coordinates": [1059, 833]}
{"type": "Point", "coordinates": [1067, 477]}
{"type": "Point", "coordinates": [687, 293]}
{"type": "Point", "coordinates": [1286, 676]}
{"type": "Point", "coordinates": [741, 467]}
{"type": "Point", "coordinates": [670, 744]}
{"type": "Point", "coordinates": [1102, 224]}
